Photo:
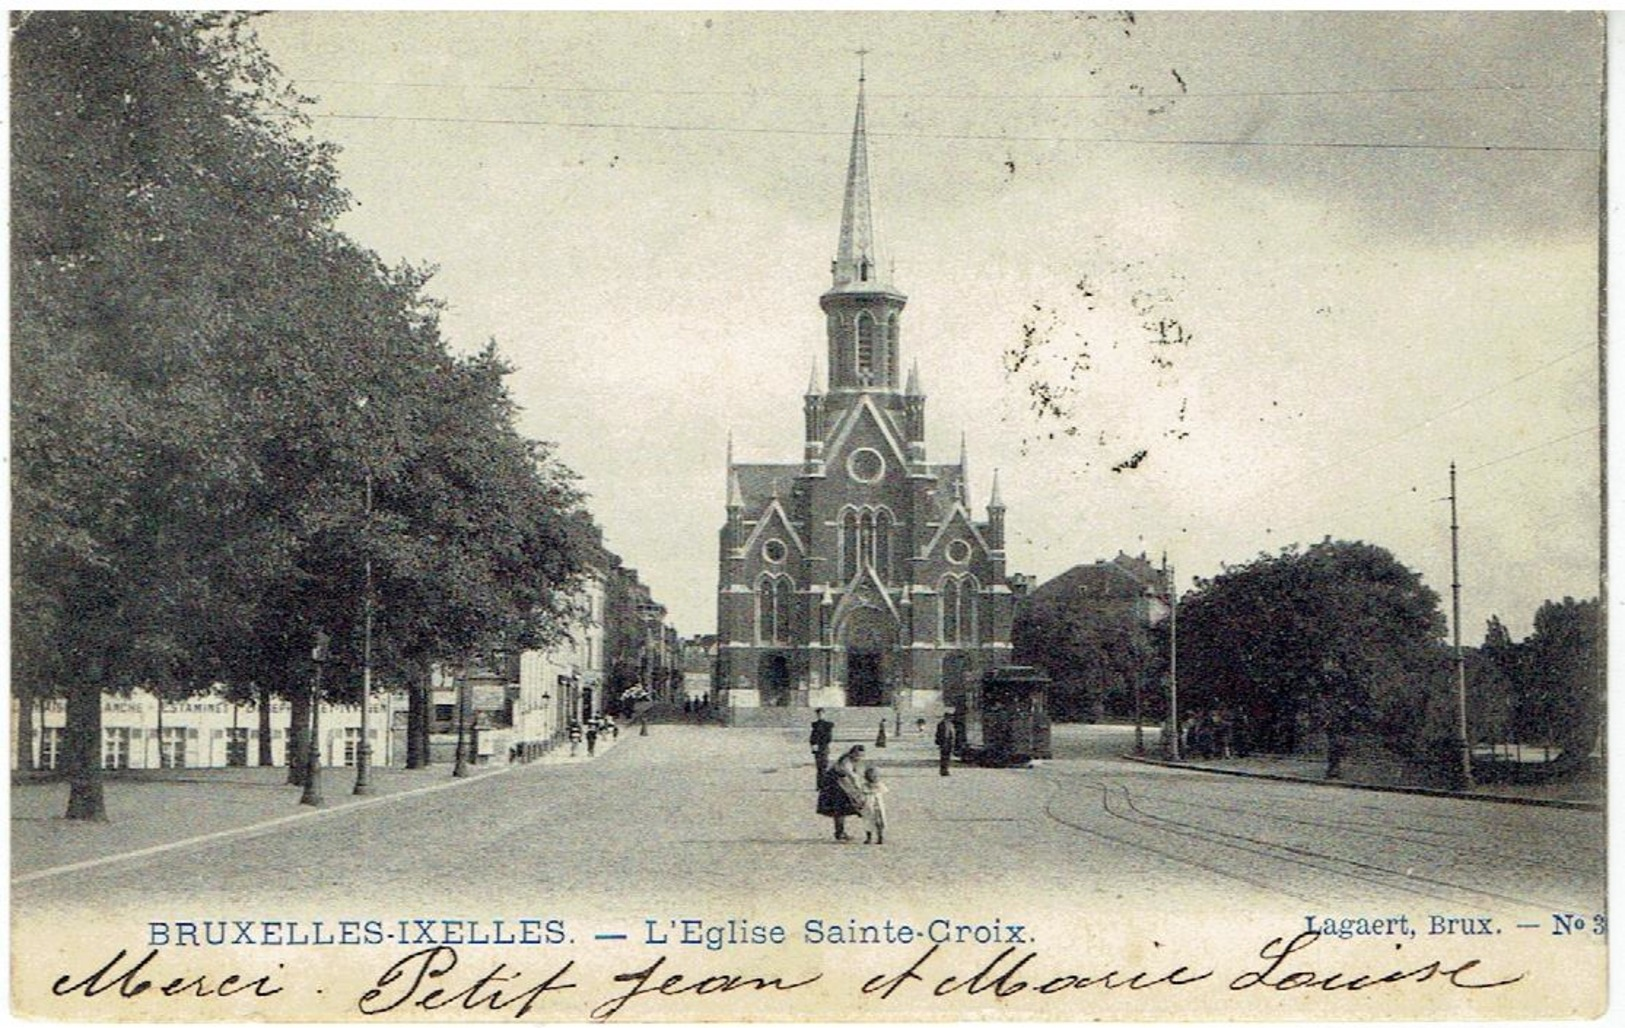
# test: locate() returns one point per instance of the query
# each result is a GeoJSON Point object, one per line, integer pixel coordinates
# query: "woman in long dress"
{"type": "Point", "coordinates": [840, 794]}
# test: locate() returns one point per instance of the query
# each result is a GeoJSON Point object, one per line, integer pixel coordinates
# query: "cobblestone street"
{"type": "Point", "coordinates": [713, 815]}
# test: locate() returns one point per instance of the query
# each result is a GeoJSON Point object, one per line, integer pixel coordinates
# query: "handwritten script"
{"type": "Point", "coordinates": [437, 978]}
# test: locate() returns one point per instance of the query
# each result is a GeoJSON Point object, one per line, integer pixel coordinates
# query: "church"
{"type": "Point", "coordinates": [859, 576]}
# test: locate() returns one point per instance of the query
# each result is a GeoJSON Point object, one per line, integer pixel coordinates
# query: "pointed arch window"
{"type": "Point", "coordinates": [868, 533]}
{"type": "Point", "coordinates": [866, 542]}
{"type": "Point", "coordinates": [958, 610]}
{"type": "Point", "coordinates": [774, 595]}
{"type": "Point", "coordinates": [892, 352]}
{"type": "Point", "coordinates": [866, 332]}
{"type": "Point", "coordinates": [883, 534]}
{"type": "Point", "coordinates": [849, 545]}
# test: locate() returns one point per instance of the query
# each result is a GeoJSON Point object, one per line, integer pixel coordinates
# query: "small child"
{"type": "Point", "coordinates": [874, 806]}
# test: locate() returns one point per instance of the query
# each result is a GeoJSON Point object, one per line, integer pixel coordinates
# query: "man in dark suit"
{"type": "Point", "coordinates": [945, 741]}
{"type": "Point", "coordinates": [822, 732]}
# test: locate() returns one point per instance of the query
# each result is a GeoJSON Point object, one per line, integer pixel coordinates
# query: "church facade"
{"type": "Point", "coordinates": [859, 576]}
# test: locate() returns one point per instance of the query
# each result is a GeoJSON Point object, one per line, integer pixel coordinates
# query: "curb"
{"type": "Point", "coordinates": [1412, 790]}
{"type": "Point", "coordinates": [257, 828]}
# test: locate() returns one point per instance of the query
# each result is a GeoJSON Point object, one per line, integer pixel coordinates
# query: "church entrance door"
{"type": "Point", "coordinates": [868, 634]}
{"type": "Point", "coordinates": [775, 679]}
{"type": "Point", "coordinates": [865, 679]}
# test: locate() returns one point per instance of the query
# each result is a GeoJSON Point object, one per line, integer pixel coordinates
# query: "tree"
{"type": "Point", "coordinates": [224, 411]}
{"type": "Point", "coordinates": [1095, 647]}
{"type": "Point", "coordinates": [150, 192]}
{"type": "Point", "coordinates": [1562, 699]}
{"type": "Point", "coordinates": [1330, 635]}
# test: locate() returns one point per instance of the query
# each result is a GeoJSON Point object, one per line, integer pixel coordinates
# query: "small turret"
{"type": "Point", "coordinates": [995, 515]}
{"type": "Point", "coordinates": [964, 473]}
{"type": "Point", "coordinates": [813, 410]}
{"type": "Point", "coordinates": [914, 416]}
{"type": "Point", "coordinates": [736, 501]}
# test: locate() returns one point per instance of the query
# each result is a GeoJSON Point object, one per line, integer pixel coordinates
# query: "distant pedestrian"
{"type": "Point", "coordinates": [946, 736]}
{"type": "Point", "coordinates": [592, 736]}
{"type": "Point", "coordinates": [575, 735]}
{"type": "Point", "coordinates": [823, 732]}
{"type": "Point", "coordinates": [874, 806]}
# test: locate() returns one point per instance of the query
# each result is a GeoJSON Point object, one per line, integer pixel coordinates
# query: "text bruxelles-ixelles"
{"type": "Point", "coordinates": [536, 931]}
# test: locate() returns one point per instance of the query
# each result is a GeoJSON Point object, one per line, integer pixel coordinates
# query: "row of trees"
{"type": "Point", "coordinates": [1337, 639]}
{"type": "Point", "coordinates": [227, 416]}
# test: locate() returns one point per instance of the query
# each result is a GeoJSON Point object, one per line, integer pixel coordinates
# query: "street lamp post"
{"type": "Point", "coordinates": [312, 795]}
{"type": "Point", "coordinates": [363, 749]}
{"type": "Point", "coordinates": [459, 768]}
{"type": "Point", "coordinates": [1173, 660]}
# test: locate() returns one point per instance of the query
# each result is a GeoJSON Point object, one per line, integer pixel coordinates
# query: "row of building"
{"type": "Point", "coordinates": [620, 655]}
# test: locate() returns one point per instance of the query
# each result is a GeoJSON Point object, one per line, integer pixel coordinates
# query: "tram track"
{"type": "Point", "coordinates": [1453, 841]}
{"type": "Point", "coordinates": [1117, 802]}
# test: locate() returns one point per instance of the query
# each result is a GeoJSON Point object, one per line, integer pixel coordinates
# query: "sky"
{"type": "Point", "coordinates": [1197, 284]}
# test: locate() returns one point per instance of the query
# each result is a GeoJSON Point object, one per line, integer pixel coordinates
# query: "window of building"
{"type": "Point", "coordinates": [116, 748]}
{"type": "Point", "coordinates": [773, 598]}
{"type": "Point", "coordinates": [172, 747]}
{"type": "Point", "coordinates": [50, 748]}
{"type": "Point", "coordinates": [352, 743]}
{"type": "Point", "coordinates": [849, 545]}
{"type": "Point", "coordinates": [866, 349]}
{"type": "Point", "coordinates": [236, 747]}
{"type": "Point", "coordinates": [957, 600]}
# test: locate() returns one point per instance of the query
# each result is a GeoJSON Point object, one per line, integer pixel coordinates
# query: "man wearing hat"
{"type": "Point", "coordinates": [822, 733]}
{"type": "Point", "coordinates": [945, 740]}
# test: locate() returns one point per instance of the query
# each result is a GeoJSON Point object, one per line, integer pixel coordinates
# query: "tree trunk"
{"type": "Point", "coordinates": [267, 755]}
{"type": "Point", "coordinates": [298, 753]}
{"type": "Point", "coordinates": [418, 719]}
{"type": "Point", "coordinates": [414, 710]}
{"type": "Point", "coordinates": [25, 733]}
{"type": "Point", "coordinates": [83, 749]}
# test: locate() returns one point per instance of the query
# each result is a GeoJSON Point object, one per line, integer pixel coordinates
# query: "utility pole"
{"type": "Point", "coordinates": [1464, 773]}
{"type": "Point", "coordinates": [1173, 659]}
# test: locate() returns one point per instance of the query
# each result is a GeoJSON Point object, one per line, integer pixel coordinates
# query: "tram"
{"type": "Point", "coordinates": [1004, 722]}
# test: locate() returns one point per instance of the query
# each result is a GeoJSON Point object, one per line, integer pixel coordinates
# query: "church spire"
{"type": "Point", "coordinates": [855, 259]}
{"type": "Point", "coordinates": [863, 309]}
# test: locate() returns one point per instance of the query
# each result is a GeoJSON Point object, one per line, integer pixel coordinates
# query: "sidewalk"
{"type": "Point", "coordinates": [148, 809]}
{"type": "Point", "coordinates": [1578, 795]}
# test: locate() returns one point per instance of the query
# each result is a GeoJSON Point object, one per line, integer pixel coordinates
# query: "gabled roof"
{"type": "Point", "coordinates": [1123, 577]}
{"type": "Point", "coordinates": [866, 581]}
{"type": "Point", "coordinates": [759, 483]}
{"type": "Point", "coordinates": [957, 513]}
{"type": "Point", "coordinates": [775, 510]}
{"type": "Point", "coordinates": [842, 429]}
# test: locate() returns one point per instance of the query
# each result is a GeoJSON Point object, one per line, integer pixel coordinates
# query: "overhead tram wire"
{"type": "Point", "coordinates": [1342, 460]}
{"type": "Point", "coordinates": [1412, 490]}
{"type": "Point", "coordinates": [953, 136]}
{"type": "Point", "coordinates": [1132, 97]}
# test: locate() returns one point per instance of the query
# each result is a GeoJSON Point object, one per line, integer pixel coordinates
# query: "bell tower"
{"type": "Point", "coordinates": [862, 308]}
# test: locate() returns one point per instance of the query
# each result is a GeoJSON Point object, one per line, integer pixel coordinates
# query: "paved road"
{"type": "Point", "coordinates": [712, 815]}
